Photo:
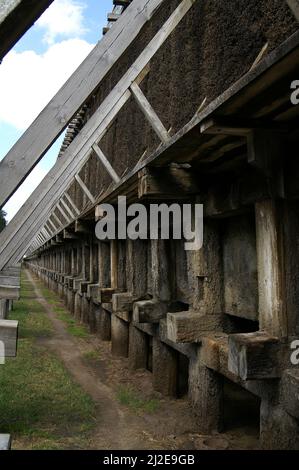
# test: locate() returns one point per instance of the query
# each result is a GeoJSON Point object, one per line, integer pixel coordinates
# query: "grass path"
{"type": "Point", "coordinates": [40, 403]}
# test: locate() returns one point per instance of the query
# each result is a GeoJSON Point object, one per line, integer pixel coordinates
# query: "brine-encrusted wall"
{"type": "Point", "coordinates": [213, 46]}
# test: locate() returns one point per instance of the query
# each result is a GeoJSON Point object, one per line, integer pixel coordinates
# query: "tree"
{"type": "Point", "coordinates": [2, 220]}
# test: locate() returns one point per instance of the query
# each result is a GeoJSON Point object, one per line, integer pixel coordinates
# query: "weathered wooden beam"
{"type": "Point", "coordinates": [16, 18]}
{"type": "Point", "coordinates": [85, 189]}
{"type": "Point", "coordinates": [71, 202]}
{"type": "Point", "coordinates": [9, 292]}
{"type": "Point", "coordinates": [149, 113]}
{"type": "Point", "coordinates": [122, 301]}
{"type": "Point", "coordinates": [49, 229]}
{"type": "Point", "coordinates": [63, 213]}
{"type": "Point", "coordinates": [9, 336]}
{"type": "Point", "coordinates": [106, 294]}
{"type": "Point", "coordinates": [214, 127]}
{"type": "Point", "coordinates": [238, 127]}
{"type": "Point", "coordinates": [190, 326]}
{"type": "Point", "coordinates": [52, 226]}
{"type": "Point", "coordinates": [167, 183]}
{"type": "Point", "coordinates": [9, 280]}
{"type": "Point", "coordinates": [106, 163]}
{"type": "Point", "coordinates": [54, 118]}
{"type": "Point", "coordinates": [253, 356]}
{"type": "Point", "coordinates": [270, 261]}
{"type": "Point", "coordinates": [149, 311]}
{"type": "Point", "coordinates": [58, 221]}
{"type": "Point", "coordinates": [93, 291]}
{"type": "Point", "coordinates": [71, 214]}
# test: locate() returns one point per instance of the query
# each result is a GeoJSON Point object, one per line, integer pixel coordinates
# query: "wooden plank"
{"type": "Point", "coordinates": [85, 189]}
{"type": "Point", "coordinates": [59, 223]}
{"type": "Point", "coordinates": [16, 17]}
{"type": "Point", "coordinates": [106, 163]}
{"type": "Point", "coordinates": [149, 311]}
{"type": "Point", "coordinates": [9, 280]}
{"type": "Point", "coordinates": [122, 301]}
{"type": "Point", "coordinates": [50, 229]}
{"type": "Point", "coordinates": [29, 149]}
{"type": "Point", "coordinates": [47, 231]}
{"type": "Point", "coordinates": [253, 356]}
{"type": "Point", "coordinates": [190, 326]}
{"type": "Point", "coordinates": [167, 183]}
{"type": "Point", "coordinates": [52, 225]}
{"type": "Point", "coordinates": [16, 237]}
{"type": "Point", "coordinates": [149, 113]}
{"type": "Point", "coordinates": [68, 197]}
{"type": "Point", "coordinates": [72, 215]}
{"type": "Point", "coordinates": [58, 206]}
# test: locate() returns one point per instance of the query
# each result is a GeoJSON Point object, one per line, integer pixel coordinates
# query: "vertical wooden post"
{"type": "Point", "coordinates": [161, 270]}
{"type": "Point", "coordinates": [206, 396]}
{"type": "Point", "coordinates": [104, 260]}
{"type": "Point", "coordinates": [271, 278]}
{"type": "Point", "coordinates": [138, 348]}
{"type": "Point", "coordinates": [164, 368]}
{"type": "Point", "coordinates": [114, 264]}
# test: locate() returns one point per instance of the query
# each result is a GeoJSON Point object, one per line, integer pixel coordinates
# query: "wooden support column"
{"type": "Point", "coordinates": [164, 368]}
{"type": "Point", "coordinates": [119, 337]}
{"type": "Point", "coordinates": [161, 270]}
{"type": "Point", "coordinates": [104, 258]}
{"type": "Point", "coordinates": [270, 258]}
{"type": "Point", "coordinates": [136, 267]}
{"type": "Point", "coordinates": [103, 323]}
{"type": "Point", "coordinates": [138, 348]}
{"type": "Point", "coordinates": [206, 396]}
{"type": "Point", "coordinates": [114, 264]}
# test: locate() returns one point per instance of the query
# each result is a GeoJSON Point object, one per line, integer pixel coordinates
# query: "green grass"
{"type": "Point", "coordinates": [40, 404]}
{"type": "Point", "coordinates": [91, 356]}
{"type": "Point", "coordinates": [32, 321]}
{"type": "Point", "coordinates": [128, 397]}
{"type": "Point", "coordinates": [80, 331]}
{"type": "Point", "coordinates": [74, 328]}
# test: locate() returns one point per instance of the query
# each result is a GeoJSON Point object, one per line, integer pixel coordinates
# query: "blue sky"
{"type": "Point", "coordinates": [45, 57]}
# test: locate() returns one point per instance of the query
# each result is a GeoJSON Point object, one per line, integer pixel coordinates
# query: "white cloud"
{"type": "Point", "coordinates": [24, 191]}
{"type": "Point", "coordinates": [28, 81]}
{"type": "Point", "coordinates": [63, 18]}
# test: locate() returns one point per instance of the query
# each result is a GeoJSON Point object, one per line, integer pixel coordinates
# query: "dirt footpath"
{"type": "Point", "coordinates": [160, 423]}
